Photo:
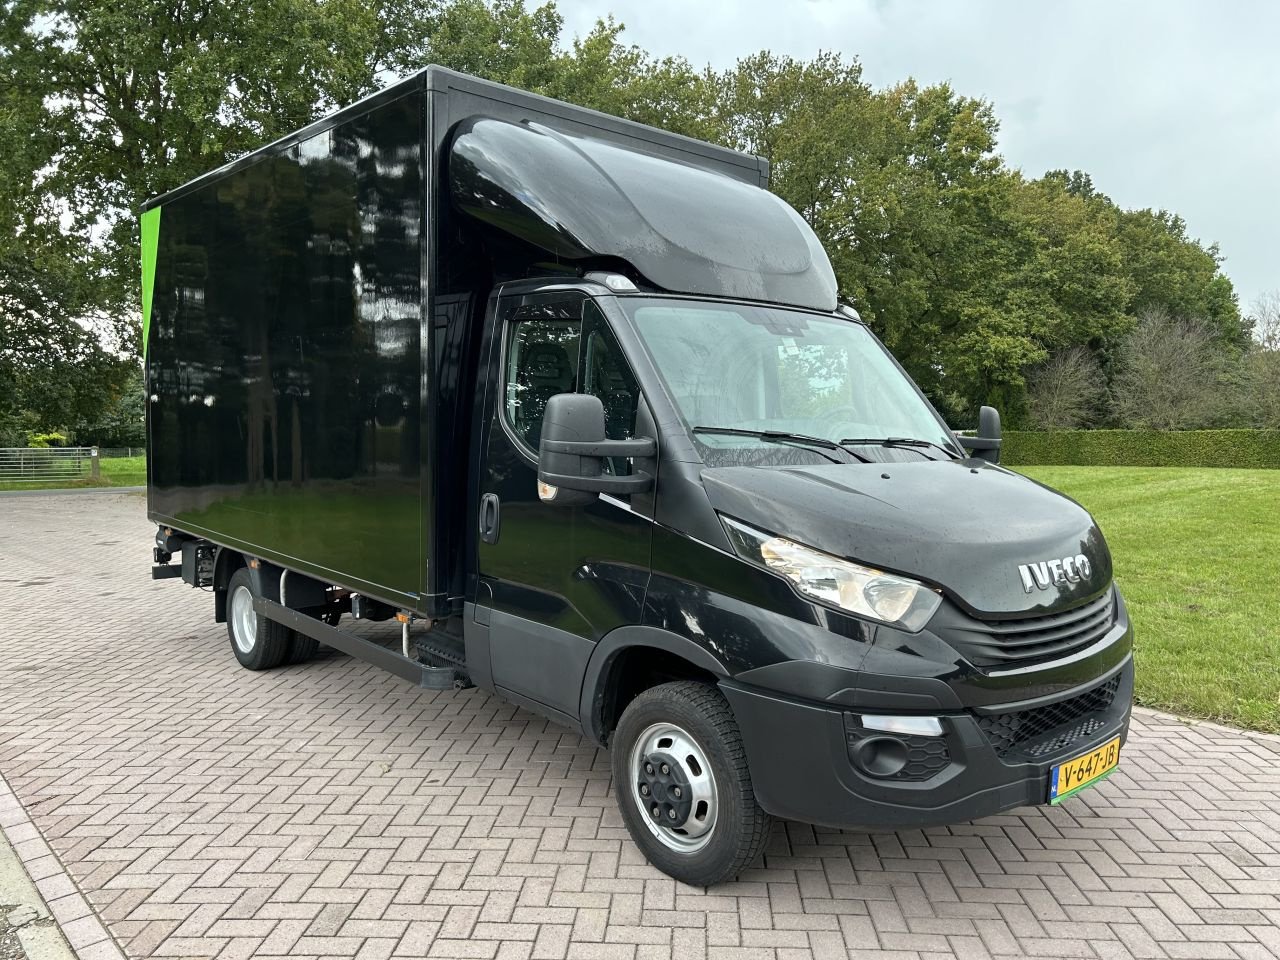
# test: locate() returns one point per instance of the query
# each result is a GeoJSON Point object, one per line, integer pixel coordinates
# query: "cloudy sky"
{"type": "Point", "coordinates": [1171, 104]}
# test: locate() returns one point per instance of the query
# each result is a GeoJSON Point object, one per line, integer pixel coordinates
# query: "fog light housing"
{"type": "Point", "coordinates": [905, 749]}
{"type": "Point", "coordinates": [880, 756]}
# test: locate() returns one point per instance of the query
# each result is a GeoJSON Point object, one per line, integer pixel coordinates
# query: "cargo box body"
{"type": "Point", "coordinates": [310, 338]}
{"type": "Point", "coordinates": [286, 354]}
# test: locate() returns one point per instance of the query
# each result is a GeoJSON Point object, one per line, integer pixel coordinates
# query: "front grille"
{"type": "Point", "coordinates": [1041, 731]}
{"type": "Point", "coordinates": [987, 643]}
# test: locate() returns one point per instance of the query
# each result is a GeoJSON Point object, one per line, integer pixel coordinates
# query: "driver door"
{"type": "Point", "coordinates": [555, 578]}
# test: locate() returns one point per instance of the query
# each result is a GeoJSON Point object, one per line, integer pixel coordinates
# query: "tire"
{"type": "Point", "coordinates": [301, 648]}
{"type": "Point", "coordinates": [258, 643]}
{"type": "Point", "coordinates": [688, 731]}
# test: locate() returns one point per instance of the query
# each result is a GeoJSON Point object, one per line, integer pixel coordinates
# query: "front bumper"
{"type": "Point", "coordinates": [990, 759]}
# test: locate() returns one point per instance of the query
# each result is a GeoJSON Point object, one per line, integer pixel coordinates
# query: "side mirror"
{"type": "Point", "coordinates": [573, 449]}
{"type": "Point", "coordinates": [986, 445]}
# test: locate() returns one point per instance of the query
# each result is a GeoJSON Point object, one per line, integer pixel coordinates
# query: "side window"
{"type": "Point", "coordinates": [565, 346]}
{"type": "Point", "coordinates": [540, 360]}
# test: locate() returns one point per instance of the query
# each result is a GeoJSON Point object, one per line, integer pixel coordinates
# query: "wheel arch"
{"type": "Point", "coordinates": [265, 578]}
{"type": "Point", "coordinates": [607, 687]}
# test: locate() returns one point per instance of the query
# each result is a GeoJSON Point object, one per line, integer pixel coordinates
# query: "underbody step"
{"type": "Point", "coordinates": [440, 649]}
{"type": "Point", "coordinates": [443, 656]}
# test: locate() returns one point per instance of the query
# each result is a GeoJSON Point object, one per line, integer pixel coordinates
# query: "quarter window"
{"type": "Point", "coordinates": [606, 374]}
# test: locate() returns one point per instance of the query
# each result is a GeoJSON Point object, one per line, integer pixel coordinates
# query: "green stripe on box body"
{"type": "Point", "coordinates": [150, 243]}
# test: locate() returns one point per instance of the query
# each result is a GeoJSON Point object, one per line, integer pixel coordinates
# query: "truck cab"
{"type": "Point", "coordinates": [766, 506]}
{"type": "Point", "coordinates": [576, 403]}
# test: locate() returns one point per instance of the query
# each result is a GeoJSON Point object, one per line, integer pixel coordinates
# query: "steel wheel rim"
{"type": "Point", "coordinates": [244, 622]}
{"type": "Point", "coordinates": [673, 742]}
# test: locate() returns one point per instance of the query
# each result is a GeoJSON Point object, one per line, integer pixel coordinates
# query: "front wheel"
{"type": "Point", "coordinates": [681, 781]}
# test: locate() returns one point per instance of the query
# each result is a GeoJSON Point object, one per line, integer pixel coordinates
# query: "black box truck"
{"type": "Point", "coordinates": [573, 399]}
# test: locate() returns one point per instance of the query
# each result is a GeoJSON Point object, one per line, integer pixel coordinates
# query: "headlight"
{"type": "Point", "coordinates": [837, 583]}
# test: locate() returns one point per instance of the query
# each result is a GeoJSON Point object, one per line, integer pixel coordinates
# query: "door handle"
{"type": "Point", "coordinates": [490, 518]}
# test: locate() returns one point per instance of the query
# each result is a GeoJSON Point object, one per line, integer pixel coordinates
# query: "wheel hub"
{"type": "Point", "coordinates": [244, 621]}
{"type": "Point", "coordinates": [665, 789]}
{"type": "Point", "coordinates": [673, 787]}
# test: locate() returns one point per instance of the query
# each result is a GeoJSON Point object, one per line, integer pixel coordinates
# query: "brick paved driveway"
{"type": "Point", "coordinates": [332, 810]}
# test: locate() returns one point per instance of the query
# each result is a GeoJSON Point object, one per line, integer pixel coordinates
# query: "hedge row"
{"type": "Point", "coordinates": [1142, 448]}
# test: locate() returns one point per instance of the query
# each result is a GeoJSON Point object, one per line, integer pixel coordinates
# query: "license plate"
{"type": "Point", "coordinates": [1074, 775]}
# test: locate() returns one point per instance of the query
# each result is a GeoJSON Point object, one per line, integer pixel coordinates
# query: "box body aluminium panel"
{"type": "Point", "coordinates": [284, 354]}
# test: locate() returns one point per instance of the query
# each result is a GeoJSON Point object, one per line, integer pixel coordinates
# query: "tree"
{"type": "Point", "coordinates": [600, 72]}
{"type": "Point", "coordinates": [1070, 270]}
{"type": "Point", "coordinates": [500, 40]}
{"type": "Point", "coordinates": [1173, 272]}
{"type": "Point", "coordinates": [1066, 391]}
{"type": "Point", "coordinates": [1263, 360]}
{"type": "Point", "coordinates": [1264, 321]}
{"type": "Point", "coordinates": [120, 422]}
{"type": "Point", "coordinates": [1077, 183]}
{"type": "Point", "coordinates": [54, 371]}
{"type": "Point", "coordinates": [55, 368]}
{"type": "Point", "coordinates": [1174, 374]}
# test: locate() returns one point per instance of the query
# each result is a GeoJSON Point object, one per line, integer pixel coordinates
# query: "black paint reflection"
{"type": "Point", "coordinates": [581, 197]}
{"type": "Point", "coordinates": [285, 354]}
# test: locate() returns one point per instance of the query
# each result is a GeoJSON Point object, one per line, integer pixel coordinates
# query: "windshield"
{"type": "Point", "coordinates": [738, 369]}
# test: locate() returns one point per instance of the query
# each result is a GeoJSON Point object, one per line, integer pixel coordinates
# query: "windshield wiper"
{"type": "Point", "coordinates": [782, 436]}
{"type": "Point", "coordinates": [899, 442]}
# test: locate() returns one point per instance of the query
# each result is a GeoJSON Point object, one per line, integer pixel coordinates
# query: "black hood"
{"type": "Point", "coordinates": [963, 525]}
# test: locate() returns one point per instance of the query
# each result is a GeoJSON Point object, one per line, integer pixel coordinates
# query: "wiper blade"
{"type": "Point", "coordinates": [782, 436]}
{"type": "Point", "coordinates": [770, 435]}
{"type": "Point", "coordinates": [899, 442]}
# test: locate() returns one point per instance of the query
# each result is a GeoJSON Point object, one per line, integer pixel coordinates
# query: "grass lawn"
{"type": "Point", "coordinates": [116, 472]}
{"type": "Point", "coordinates": [1197, 557]}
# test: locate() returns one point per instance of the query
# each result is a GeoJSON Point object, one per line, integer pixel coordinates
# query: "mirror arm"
{"type": "Point", "coordinates": [618, 486]}
{"type": "Point", "coordinates": [980, 443]}
{"type": "Point", "coordinates": [642, 447]}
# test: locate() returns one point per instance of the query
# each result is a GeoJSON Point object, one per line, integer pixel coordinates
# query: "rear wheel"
{"type": "Point", "coordinates": [682, 784]}
{"type": "Point", "coordinates": [301, 648]}
{"type": "Point", "coordinates": [258, 643]}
